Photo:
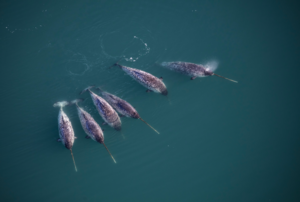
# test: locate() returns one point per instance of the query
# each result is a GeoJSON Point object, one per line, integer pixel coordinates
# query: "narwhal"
{"type": "Point", "coordinates": [90, 126]}
{"type": "Point", "coordinates": [66, 132]}
{"type": "Point", "coordinates": [122, 107]}
{"type": "Point", "coordinates": [149, 81]}
{"type": "Point", "coordinates": [108, 114]}
{"type": "Point", "coordinates": [194, 70]}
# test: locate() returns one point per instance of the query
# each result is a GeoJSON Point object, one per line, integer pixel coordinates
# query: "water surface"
{"type": "Point", "coordinates": [219, 141]}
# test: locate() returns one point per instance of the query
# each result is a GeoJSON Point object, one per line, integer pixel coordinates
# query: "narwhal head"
{"type": "Point", "coordinates": [210, 67]}
{"type": "Point", "coordinates": [68, 144]}
{"type": "Point", "coordinates": [117, 126]}
{"type": "Point", "coordinates": [135, 115]}
{"type": "Point", "coordinates": [164, 92]}
{"type": "Point", "coordinates": [207, 72]}
{"type": "Point", "coordinates": [99, 139]}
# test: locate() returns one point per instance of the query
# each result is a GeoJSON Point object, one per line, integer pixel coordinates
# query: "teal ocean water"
{"type": "Point", "coordinates": [218, 141]}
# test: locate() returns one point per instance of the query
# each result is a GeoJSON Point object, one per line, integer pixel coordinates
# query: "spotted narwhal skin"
{"type": "Point", "coordinates": [121, 106]}
{"type": "Point", "coordinates": [90, 126]}
{"type": "Point", "coordinates": [108, 114]}
{"type": "Point", "coordinates": [147, 80]}
{"type": "Point", "coordinates": [190, 69]}
{"type": "Point", "coordinates": [66, 132]}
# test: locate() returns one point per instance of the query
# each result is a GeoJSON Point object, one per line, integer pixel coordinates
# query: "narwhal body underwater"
{"type": "Point", "coordinates": [90, 126]}
{"type": "Point", "coordinates": [108, 114]}
{"type": "Point", "coordinates": [194, 70]}
{"type": "Point", "coordinates": [147, 80]}
{"type": "Point", "coordinates": [122, 107]}
{"type": "Point", "coordinates": [66, 132]}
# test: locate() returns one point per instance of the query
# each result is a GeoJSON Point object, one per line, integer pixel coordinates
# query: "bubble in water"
{"type": "Point", "coordinates": [146, 50]}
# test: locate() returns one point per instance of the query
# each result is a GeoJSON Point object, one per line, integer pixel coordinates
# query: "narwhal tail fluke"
{"type": "Point", "coordinates": [224, 78]}
{"type": "Point", "coordinates": [149, 125]}
{"type": "Point", "coordinates": [109, 152]}
{"type": "Point", "coordinates": [73, 160]}
{"type": "Point", "coordinates": [76, 101]}
{"type": "Point", "coordinates": [117, 64]}
{"type": "Point", "coordinates": [61, 104]}
{"type": "Point", "coordinates": [100, 89]}
{"type": "Point", "coordinates": [88, 88]}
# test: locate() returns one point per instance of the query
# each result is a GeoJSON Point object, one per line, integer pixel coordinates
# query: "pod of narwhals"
{"type": "Point", "coordinates": [111, 105]}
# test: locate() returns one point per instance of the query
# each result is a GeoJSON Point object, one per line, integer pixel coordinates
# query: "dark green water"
{"type": "Point", "coordinates": [219, 141]}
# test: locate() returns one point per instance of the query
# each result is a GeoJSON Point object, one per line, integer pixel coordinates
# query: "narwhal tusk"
{"type": "Point", "coordinates": [109, 152]}
{"type": "Point", "coordinates": [73, 160]}
{"type": "Point", "coordinates": [149, 125]}
{"type": "Point", "coordinates": [225, 78]}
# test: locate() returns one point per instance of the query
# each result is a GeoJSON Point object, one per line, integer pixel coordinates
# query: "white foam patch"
{"type": "Point", "coordinates": [212, 66]}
